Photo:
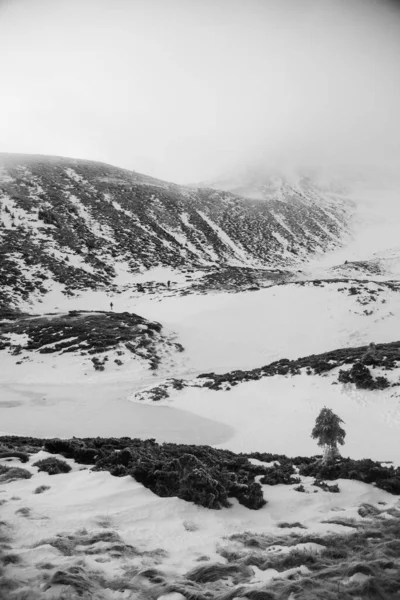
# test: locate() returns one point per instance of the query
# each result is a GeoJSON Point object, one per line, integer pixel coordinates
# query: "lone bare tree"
{"type": "Point", "coordinates": [329, 433]}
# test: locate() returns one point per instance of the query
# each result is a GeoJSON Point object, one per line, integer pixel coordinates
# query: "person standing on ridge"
{"type": "Point", "coordinates": [111, 305]}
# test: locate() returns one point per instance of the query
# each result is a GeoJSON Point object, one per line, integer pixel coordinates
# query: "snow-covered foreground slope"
{"type": "Point", "coordinates": [101, 537]}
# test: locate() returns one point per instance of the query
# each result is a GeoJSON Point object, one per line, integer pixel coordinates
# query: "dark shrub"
{"type": "Point", "coordinates": [52, 465]}
{"type": "Point", "coordinates": [360, 375]}
{"type": "Point", "coordinates": [75, 449]}
{"type": "Point", "coordinates": [282, 473]}
{"type": "Point", "coordinates": [390, 485]}
{"type": "Point", "coordinates": [165, 468]}
{"type": "Point", "coordinates": [326, 487]}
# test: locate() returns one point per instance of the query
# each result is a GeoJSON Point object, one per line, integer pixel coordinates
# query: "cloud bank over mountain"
{"type": "Point", "coordinates": [187, 90]}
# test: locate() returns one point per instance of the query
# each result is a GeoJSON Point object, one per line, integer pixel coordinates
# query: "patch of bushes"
{"type": "Point", "coordinates": [23, 456]}
{"type": "Point", "coordinates": [92, 332]}
{"type": "Point", "coordinates": [280, 473]}
{"type": "Point", "coordinates": [365, 470]}
{"type": "Point", "coordinates": [52, 465]}
{"type": "Point", "coordinates": [199, 474]}
{"type": "Point", "coordinates": [8, 474]}
{"type": "Point", "coordinates": [361, 376]}
{"type": "Point", "coordinates": [285, 525]}
{"type": "Point", "coordinates": [204, 475]}
{"type": "Point", "coordinates": [386, 356]}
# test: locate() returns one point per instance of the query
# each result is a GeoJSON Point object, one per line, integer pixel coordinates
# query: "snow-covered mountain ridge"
{"type": "Point", "coordinates": [84, 224]}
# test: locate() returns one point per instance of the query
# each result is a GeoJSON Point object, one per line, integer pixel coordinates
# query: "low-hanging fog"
{"type": "Point", "coordinates": [187, 90]}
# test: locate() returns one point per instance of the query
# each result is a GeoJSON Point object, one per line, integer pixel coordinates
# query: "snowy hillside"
{"type": "Point", "coordinates": [164, 353]}
{"type": "Point", "coordinates": [84, 224]}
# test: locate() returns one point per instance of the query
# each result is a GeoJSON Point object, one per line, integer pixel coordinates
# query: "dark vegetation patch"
{"type": "Point", "coordinates": [41, 488]}
{"type": "Point", "coordinates": [24, 511]}
{"type": "Point", "coordinates": [360, 375]}
{"type": "Point", "coordinates": [355, 286]}
{"type": "Point", "coordinates": [285, 525]}
{"type": "Point", "coordinates": [204, 475]}
{"type": "Point", "coordinates": [89, 333]}
{"type": "Point", "coordinates": [368, 471]}
{"type": "Point", "coordinates": [386, 356]}
{"type": "Point", "coordinates": [361, 360]}
{"type": "Point", "coordinates": [216, 571]}
{"type": "Point", "coordinates": [52, 465]}
{"type": "Point", "coordinates": [8, 474]}
{"type": "Point", "coordinates": [88, 543]}
{"type": "Point", "coordinates": [198, 474]}
{"type": "Point", "coordinates": [237, 279]}
{"type": "Point", "coordinates": [326, 487]}
{"type": "Point", "coordinates": [23, 456]}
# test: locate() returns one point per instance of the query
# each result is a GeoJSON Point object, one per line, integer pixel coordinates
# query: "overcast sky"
{"type": "Point", "coordinates": [186, 90]}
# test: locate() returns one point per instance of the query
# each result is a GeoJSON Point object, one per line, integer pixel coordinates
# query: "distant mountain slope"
{"type": "Point", "coordinates": [82, 223]}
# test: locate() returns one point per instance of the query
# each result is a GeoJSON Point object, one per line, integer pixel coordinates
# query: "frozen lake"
{"type": "Point", "coordinates": [99, 409]}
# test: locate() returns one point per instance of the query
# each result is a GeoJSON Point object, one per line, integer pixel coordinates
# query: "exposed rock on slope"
{"type": "Point", "coordinates": [82, 223]}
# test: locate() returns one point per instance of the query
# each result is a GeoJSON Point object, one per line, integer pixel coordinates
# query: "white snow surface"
{"type": "Point", "coordinates": [82, 499]}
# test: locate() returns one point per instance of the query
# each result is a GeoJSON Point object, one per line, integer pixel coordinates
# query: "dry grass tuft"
{"type": "Point", "coordinates": [47, 566]}
{"type": "Point", "coordinates": [41, 489]}
{"type": "Point", "coordinates": [85, 543]}
{"type": "Point", "coordinates": [368, 510]}
{"type": "Point", "coordinates": [217, 571]}
{"type": "Point", "coordinates": [342, 521]}
{"type": "Point", "coordinates": [104, 521]}
{"type": "Point", "coordinates": [75, 577]}
{"type": "Point", "coordinates": [8, 474]}
{"type": "Point", "coordinates": [285, 525]}
{"type": "Point", "coordinates": [24, 512]}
